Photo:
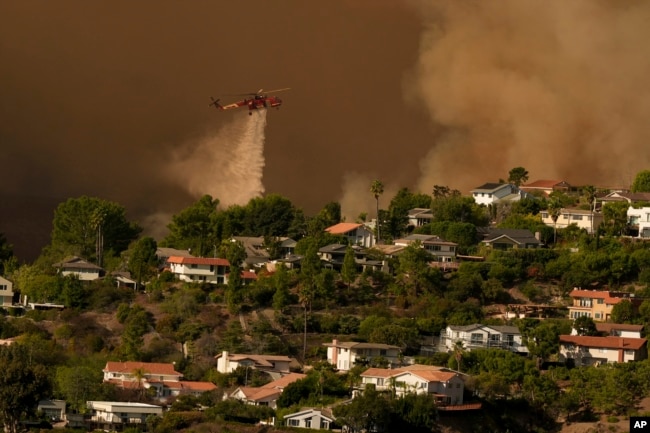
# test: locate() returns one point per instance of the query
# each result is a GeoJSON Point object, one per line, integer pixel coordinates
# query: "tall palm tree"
{"type": "Point", "coordinates": [589, 192]}
{"type": "Point", "coordinates": [139, 374]}
{"type": "Point", "coordinates": [377, 189]}
{"type": "Point", "coordinates": [459, 349]}
{"type": "Point", "coordinates": [554, 210]}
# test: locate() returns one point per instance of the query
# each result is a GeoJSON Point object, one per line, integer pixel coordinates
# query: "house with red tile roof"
{"type": "Point", "coordinates": [265, 395]}
{"type": "Point", "coordinates": [545, 187]}
{"type": "Point", "coordinates": [446, 385]}
{"type": "Point", "coordinates": [199, 269]}
{"type": "Point", "coordinates": [356, 234]}
{"type": "Point", "coordinates": [597, 304]}
{"type": "Point", "coordinates": [588, 350]}
{"type": "Point", "coordinates": [161, 377]}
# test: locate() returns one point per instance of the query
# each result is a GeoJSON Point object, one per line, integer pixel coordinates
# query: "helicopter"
{"type": "Point", "coordinates": [254, 101]}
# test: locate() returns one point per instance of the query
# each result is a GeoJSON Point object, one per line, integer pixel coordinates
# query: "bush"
{"type": "Point", "coordinates": [612, 419]}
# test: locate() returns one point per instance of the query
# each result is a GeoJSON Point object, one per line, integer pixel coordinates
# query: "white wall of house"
{"type": "Point", "coordinates": [481, 337]}
{"type": "Point", "coordinates": [589, 355]}
{"type": "Point", "coordinates": [312, 419]}
{"type": "Point", "coordinates": [409, 382]}
{"type": "Point", "coordinates": [120, 412]}
{"type": "Point", "coordinates": [344, 358]}
{"type": "Point", "coordinates": [6, 291]}
{"type": "Point", "coordinates": [640, 217]}
{"type": "Point", "coordinates": [215, 274]}
{"type": "Point", "coordinates": [581, 218]}
{"type": "Point", "coordinates": [492, 196]}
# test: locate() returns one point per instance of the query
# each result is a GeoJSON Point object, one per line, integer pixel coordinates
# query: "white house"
{"type": "Point", "coordinates": [344, 355]}
{"type": "Point", "coordinates": [6, 292]}
{"type": "Point", "coordinates": [639, 220]}
{"type": "Point", "coordinates": [584, 219]}
{"type": "Point", "coordinates": [161, 377]}
{"type": "Point", "coordinates": [588, 350]}
{"type": "Point", "coordinates": [276, 365]}
{"type": "Point", "coordinates": [493, 193]}
{"type": "Point", "coordinates": [440, 249]}
{"type": "Point", "coordinates": [482, 337]}
{"type": "Point", "coordinates": [54, 410]}
{"type": "Point", "coordinates": [108, 415]}
{"type": "Point", "coordinates": [315, 419]}
{"type": "Point", "coordinates": [446, 385]}
{"type": "Point", "coordinates": [419, 216]}
{"type": "Point", "coordinates": [356, 234]}
{"type": "Point", "coordinates": [199, 269]}
{"type": "Point", "coordinates": [83, 269]}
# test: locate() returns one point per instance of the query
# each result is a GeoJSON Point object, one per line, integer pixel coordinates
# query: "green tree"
{"type": "Point", "coordinates": [6, 253]}
{"type": "Point", "coordinates": [77, 385]}
{"type": "Point", "coordinates": [623, 312]}
{"type": "Point", "coordinates": [235, 253]}
{"type": "Point", "coordinates": [554, 209]}
{"type": "Point", "coordinates": [349, 269]}
{"type": "Point", "coordinates": [142, 259]}
{"type": "Point", "coordinates": [615, 218]}
{"type": "Point", "coordinates": [194, 228]}
{"type": "Point", "coordinates": [377, 189]}
{"type": "Point", "coordinates": [585, 326]}
{"type": "Point", "coordinates": [641, 181]}
{"type": "Point", "coordinates": [518, 176]}
{"type": "Point", "coordinates": [271, 215]}
{"type": "Point", "coordinates": [398, 209]}
{"type": "Point", "coordinates": [90, 227]}
{"type": "Point", "coordinates": [23, 382]}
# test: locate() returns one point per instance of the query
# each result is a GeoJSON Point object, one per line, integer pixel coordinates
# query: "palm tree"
{"type": "Point", "coordinates": [554, 210]}
{"type": "Point", "coordinates": [459, 349]}
{"type": "Point", "coordinates": [139, 374]}
{"type": "Point", "coordinates": [589, 191]}
{"type": "Point", "coordinates": [377, 189]}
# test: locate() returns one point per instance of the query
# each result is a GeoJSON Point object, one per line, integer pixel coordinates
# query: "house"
{"type": "Point", "coordinates": [441, 250]}
{"type": "Point", "coordinates": [588, 350]}
{"type": "Point", "coordinates": [6, 292]}
{"type": "Point", "coordinates": [584, 219]}
{"type": "Point", "coordinates": [493, 193]}
{"type": "Point", "coordinates": [355, 234]}
{"type": "Point", "coordinates": [265, 395]}
{"type": "Point", "coordinates": [163, 254]}
{"type": "Point", "coordinates": [199, 269]}
{"type": "Point", "coordinates": [116, 415]}
{"type": "Point", "coordinates": [639, 221]}
{"type": "Point", "coordinates": [447, 386]}
{"type": "Point", "coordinates": [479, 336]}
{"type": "Point", "coordinates": [419, 216]}
{"type": "Point", "coordinates": [54, 410]}
{"type": "Point", "coordinates": [258, 253]}
{"type": "Point", "coordinates": [545, 187]}
{"type": "Point", "coordinates": [332, 257]}
{"type": "Point", "coordinates": [505, 239]}
{"type": "Point", "coordinates": [84, 270]}
{"type": "Point", "coordinates": [123, 279]}
{"type": "Point", "coordinates": [344, 355]}
{"type": "Point", "coordinates": [275, 365]}
{"type": "Point", "coordinates": [162, 378]}
{"type": "Point", "coordinates": [620, 329]}
{"type": "Point", "coordinates": [315, 419]}
{"type": "Point", "coordinates": [621, 196]}
{"type": "Point", "coordinates": [597, 304]}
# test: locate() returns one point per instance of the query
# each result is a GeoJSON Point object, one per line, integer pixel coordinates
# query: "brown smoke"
{"type": "Point", "coordinates": [560, 88]}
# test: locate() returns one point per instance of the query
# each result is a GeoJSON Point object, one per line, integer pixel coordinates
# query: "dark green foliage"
{"type": "Point", "coordinates": [235, 410]}
{"type": "Point", "coordinates": [23, 382]}
{"type": "Point", "coordinates": [78, 222]}
{"type": "Point", "coordinates": [641, 181]}
{"type": "Point", "coordinates": [6, 253]}
{"type": "Point", "coordinates": [142, 261]}
{"type": "Point", "coordinates": [193, 228]}
{"type": "Point", "coordinates": [585, 326]}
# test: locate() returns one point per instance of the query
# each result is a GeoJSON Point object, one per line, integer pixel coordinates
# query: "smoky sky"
{"type": "Point", "coordinates": [109, 99]}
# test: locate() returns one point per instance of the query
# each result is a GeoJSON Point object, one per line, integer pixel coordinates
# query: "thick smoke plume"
{"type": "Point", "coordinates": [228, 164]}
{"type": "Point", "coordinates": [560, 88]}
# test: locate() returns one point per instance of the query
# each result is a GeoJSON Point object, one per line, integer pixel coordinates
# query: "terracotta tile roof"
{"type": "Point", "coordinates": [191, 386]}
{"type": "Point", "coordinates": [248, 275]}
{"type": "Point", "coordinates": [129, 367]}
{"type": "Point", "coordinates": [609, 327]}
{"type": "Point", "coordinates": [543, 183]}
{"type": "Point", "coordinates": [609, 342]}
{"type": "Point", "coordinates": [284, 381]}
{"type": "Point", "coordinates": [198, 261]}
{"type": "Point", "coordinates": [429, 373]}
{"type": "Point", "coordinates": [609, 297]}
{"type": "Point", "coordinates": [342, 228]}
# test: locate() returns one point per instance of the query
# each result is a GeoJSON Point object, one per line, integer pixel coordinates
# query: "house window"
{"type": "Point", "coordinates": [382, 352]}
{"type": "Point", "coordinates": [324, 425]}
{"type": "Point", "coordinates": [597, 315]}
{"type": "Point", "coordinates": [577, 217]}
{"type": "Point", "coordinates": [194, 266]}
{"type": "Point", "coordinates": [308, 423]}
{"type": "Point", "coordinates": [294, 422]}
{"type": "Point", "coordinates": [3, 287]}
{"type": "Point", "coordinates": [601, 301]}
{"type": "Point", "coordinates": [509, 339]}
{"type": "Point", "coordinates": [629, 352]}
{"type": "Point", "coordinates": [477, 338]}
{"type": "Point", "coordinates": [211, 268]}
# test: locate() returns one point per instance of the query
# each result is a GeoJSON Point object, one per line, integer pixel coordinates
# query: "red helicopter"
{"type": "Point", "coordinates": [256, 101]}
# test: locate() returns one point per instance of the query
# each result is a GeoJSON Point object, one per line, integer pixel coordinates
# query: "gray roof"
{"type": "Point", "coordinates": [521, 236]}
{"type": "Point", "coordinates": [489, 186]}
